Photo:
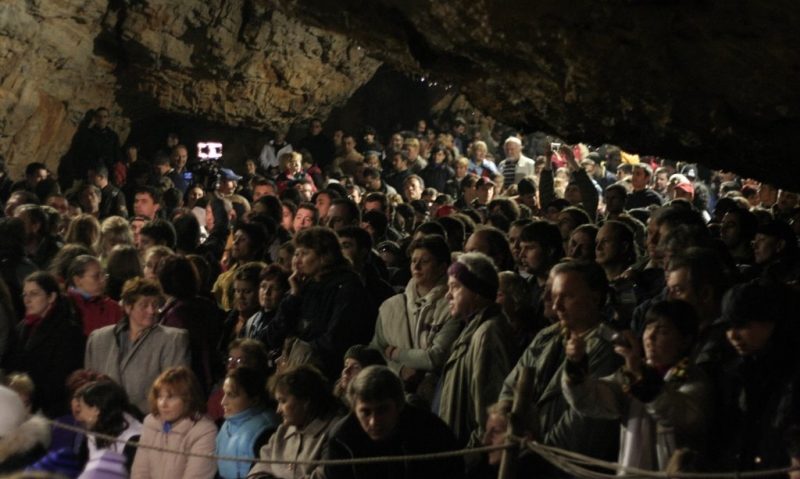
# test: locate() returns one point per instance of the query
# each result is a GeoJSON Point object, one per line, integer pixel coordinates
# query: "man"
{"type": "Point", "coordinates": [40, 245]}
{"type": "Point", "coordinates": [399, 171]}
{"type": "Point", "coordinates": [526, 194]}
{"type": "Point", "coordinates": [416, 163]}
{"type": "Point", "coordinates": [374, 183]}
{"type": "Point", "coordinates": [540, 248]}
{"type": "Point", "coordinates": [615, 248]}
{"type": "Point", "coordinates": [351, 159]}
{"type": "Point", "coordinates": [516, 166]}
{"type": "Point", "coordinates": [273, 150]}
{"type": "Point", "coordinates": [89, 199]}
{"type": "Point", "coordinates": [481, 355]}
{"type": "Point", "coordinates": [99, 146]}
{"type": "Point", "coordinates": [356, 246]}
{"type": "Point", "coordinates": [178, 159]}
{"type": "Point", "coordinates": [579, 293]}
{"type": "Point", "coordinates": [157, 233]}
{"type": "Point", "coordinates": [227, 183]}
{"type": "Point", "coordinates": [615, 197]}
{"type": "Point", "coordinates": [343, 212]}
{"type": "Point", "coordinates": [642, 195]}
{"type": "Point", "coordinates": [413, 186]}
{"type": "Point", "coordinates": [381, 423]}
{"type": "Point", "coordinates": [146, 202]}
{"type": "Point", "coordinates": [318, 144]}
{"type": "Point", "coordinates": [35, 173]}
{"type": "Point", "coordinates": [112, 200]}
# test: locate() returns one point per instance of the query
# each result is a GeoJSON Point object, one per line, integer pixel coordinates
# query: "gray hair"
{"type": "Point", "coordinates": [480, 265]}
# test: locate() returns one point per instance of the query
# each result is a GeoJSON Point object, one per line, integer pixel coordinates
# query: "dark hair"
{"type": "Point", "coordinates": [187, 233]}
{"type": "Point", "coordinates": [306, 383]}
{"type": "Point", "coordinates": [624, 235]}
{"type": "Point", "coordinates": [499, 249]}
{"type": "Point", "coordinates": [145, 189]}
{"type": "Point", "coordinates": [123, 264]}
{"type": "Point", "coordinates": [748, 222]}
{"type": "Point", "coordinates": [305, 205]}
{"type": "Point", "coordinates": [431, 228]}
{"type": "Point", "coordinates": [681, 314]}
{"type": "Point", "coordinates": [78, 267]}
{"type": "Point", "coordinates": [360, 235]}
{"type": "Point", "coordinates": [179, 277]}
{"type": "Point", "coordinates": [44, 280]}
{"type": "Point", "coordinates": [258, 236]}
{"type": "Point", "coordinates": [507, 207]}
{"type": "Point", "coordinates": [249, 272]}
{"type": "Point", "coordinates": [36, 215]}
{"type": "Point", "coordinates": [378, 221]}
{"type": "Point", "coordinates": [456, 232]}
{"type": "Point", "coordinates": [705, 268]}
{"type": "Point", "coordinates": [548, 236]}
{"type": "Point", "coordinates": [324, 242]}
{"type": "Point", "coordinates": [162, 232]}
{"type": "Point", "coordinates": [34, 167]}
{"type": "Point", "coordinates": [254, 353]}
{"type": "Point", "coordinates": [62, 261]}
{"type": "Point", "coordinates": [593, 275]}
{"type": "Point", "coordinates": [252, 382]}
{"type": "Point", "coordinates": [112, 402]}
{"type": "Point", "coordinates": [376, 383]}
{"type": "Point", "coordinates": [272, 206]}
{"type": "Point", "coordinates": [351, 208]}
{"type": "Point", "coordinates": [138, 287]}
{"type": "Point", "coordinates": [434, 244]}
{"type": "Point", "coordinates": [275, 272]}
{"type": "Point", "coordinates": [365, 355]}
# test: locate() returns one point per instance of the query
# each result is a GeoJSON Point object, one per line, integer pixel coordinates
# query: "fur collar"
{"type": "Point", "coordinates": [31, 433]}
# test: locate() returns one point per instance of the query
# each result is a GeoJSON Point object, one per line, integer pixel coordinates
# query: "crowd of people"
{"type": "Point", "coordinates": [337, 299]}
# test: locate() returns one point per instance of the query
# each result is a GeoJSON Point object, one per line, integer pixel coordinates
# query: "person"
{"type": "Point", "coordinates": [318, 144]}
{"type": "Point", "coordinates": [123, 263]}
{"type": "Point", "coordinates": [381, 423]}
{"type": "Point", "coordinates": [578, 294]}
{"type": "Point", "coordinates": [146, 202]}
{"type": "Point", "coordinates": [136, 350]}
{"type": "Point", "coordinates": [481, 355]}
{"type": "Point", "coordinates": [438, 172]}
{"type": "Point", "coordinates": [103, 408]}
{"type": "Point", "coordinates": [662, 400]}
{"type": "Point", "coordinates": [309, 412]}
{"type": "Point", "coordinates": [40, 245]}
{"type": "Point", "coordinates": [87, 282]}
{"type": "Point", "coordinates": [327, 307]}
{"type": "Point", "coordinates": [759, 392]}
{"type": "Point", "coordinates": [272, 150]}
{"type": "Point", "coordinates": [642, 195]}
{"type": "Point", "coordinates": [493, 243]}
{"type": "Point", "coordinates": [48, 344]}
{"type": "Point", "coordinates": [242, 352]}
{"type": "Point", "coordinates": [23, 438]}
{"type": "Point", "coordinates": [271, 290]}
{"type": "Point", "coordinates": [356, 359]}
{"type": "Point", "coordinates": [176, 421]}
{"type": "Point", "coordinates": [515, 166]}
{"type": "Point", "coordinates": [249, 243]}
{"type": "Point", "coordinates": [248, 423]}
{"type": "Point", "coordinates": [245, 303]}
{"type": "Point", "coordinates": [414, 330]}
{"type": "Point", "coordinates": [737, 231]}
{"type": "Point", "coordinates": [112, 200]}
{"type": "Point", "coordinates": [186, 309]}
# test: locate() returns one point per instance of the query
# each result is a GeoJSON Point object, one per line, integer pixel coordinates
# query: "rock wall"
{"type": "Point", "coordinates": [234, 62]}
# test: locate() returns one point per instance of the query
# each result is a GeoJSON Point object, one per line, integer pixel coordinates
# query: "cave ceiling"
{"type": "Point", "coordinates": [707, 81]}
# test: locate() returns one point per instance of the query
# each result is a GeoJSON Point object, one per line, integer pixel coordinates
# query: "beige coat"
{"type": "Point", "coordinates": [188, 435]}
{"type": "Point", "coordinates": [157, 349]}
{"type": "Point", "coordinates": [420, 327]}
{"type": "Point", "coordinates": [292, 444]}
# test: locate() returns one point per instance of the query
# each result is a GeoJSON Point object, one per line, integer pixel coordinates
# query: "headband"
{"type": "Point", "coordinates": [487, 289]}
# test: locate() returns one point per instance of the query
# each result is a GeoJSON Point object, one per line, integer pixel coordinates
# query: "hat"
{"type": "Point", "coordinates": [685, 187]}
{"type": "Point", "coordinates": [690, 171]}
{"type": "Point", "coordinates": [526, 186]}
{"type": "Point", "coordinates": [778, 229]}
{"type": "Point", "coordinates": [14, 412]}
{"type": "Point", "coordinates": [748, 302]}
{"type": "Point", "coordinates": [229, 175]}
{"type": "Point", "coordinates": [594, 156]}
{"type": "Point", "coordinates": [484, 181]}
{"type": "Point", "coordinates": [629, 158]}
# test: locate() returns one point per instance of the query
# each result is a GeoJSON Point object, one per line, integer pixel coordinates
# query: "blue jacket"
{"type": "Point", "coordinates": [243, 435]}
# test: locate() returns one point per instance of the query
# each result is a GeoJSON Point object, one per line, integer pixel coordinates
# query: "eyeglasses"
{"type": "Point", "coordinates": [234, 360]}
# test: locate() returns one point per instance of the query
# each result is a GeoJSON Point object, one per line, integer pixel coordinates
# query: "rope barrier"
{"type": "Point", "coordinates": [568, 461]}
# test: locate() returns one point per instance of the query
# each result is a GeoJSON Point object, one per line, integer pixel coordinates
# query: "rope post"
{"type": "Point", "coordinates": [522, 400]}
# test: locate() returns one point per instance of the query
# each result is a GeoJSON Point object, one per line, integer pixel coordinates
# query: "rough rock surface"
{"type": "Point", "coordinates": [229, 61]}
{"type": "Point", "coordinates": [709, 81]}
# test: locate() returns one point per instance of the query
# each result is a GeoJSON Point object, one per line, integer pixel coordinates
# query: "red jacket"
{"type": "Point", "coordinates": [96, 312]}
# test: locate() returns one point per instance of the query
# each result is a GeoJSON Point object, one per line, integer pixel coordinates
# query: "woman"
{"type": "Point", "coordinates": [176, 421]}
{"type": "Point", "coordinates": [248, 424]}
{"type": "Point", "coordinates": [414, 329]}
{"type": "Point", "coordinates": [581, 243]}
{"type": "Point", "coordinates": [123, 264]}
{"type": "Point", "coordinates": [83, 230]}
{"type": "Point", "coordinates": [241, 353]}
{"type": "Point", "coordinates": [49, 342]}
{"type": "Point", "coordinates": [309, 412]}
{"type": "Point", "coordinates": [661, 399]}
{"type": "Point", "coordinates": [152, 260]}
{"type": "Point", "coordinates": [438, 172]}
{"type": "Point", "coordinates": [103, 408]}
{"type": "Point", "coordinates": [327, 308]}
{"type": "Point", "coordinates": [87, 284]}
{"type": "Point", "coordinates": [200, 317]}
{"type": "Point", "coordinates": [114, 230]}
{"type": "Point", "coordinates": [137, 349]}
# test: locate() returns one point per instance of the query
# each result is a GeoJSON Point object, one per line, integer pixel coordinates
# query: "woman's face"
{"type": "Point", "coordinates": [93, 280]}
{"type": "Point", "coordinates": [194, 194]}
{"type": "Point", "coordinates": [730, 231]}
{"type": "Point", "coordinates": [306, 261]}
{"type": "Point", "coordinates": [293, 410]}
{"type": "Point", "coordinates": [210, 221]}
{"type": "Point", "coordinates": [151, 265]}
{"type": "Point", "coordinates": [142, 313]}
{"type": "Point", "coordinates": [171, 407]}
{"type": "Point", "coordinates": [580, 246]}
{"type": "Point", "coordinates": [87, 415]}
{"type": "Point", "coordinates": [285, 259]}
{"type": "Point", "coordinates": [425, 269]}
{"type": "Point", "coordinates": [37, 301]}
{"type": "Point", "coordinates": [245, 297]}
{"type": "Point", "coordinates": [350, 371]}
{"type": "Point", "coordinates": [287, 220]}
{"type": "Point", "coordinates": [270, 294]}
{"type": "Point", "coordinates": [234, 399]}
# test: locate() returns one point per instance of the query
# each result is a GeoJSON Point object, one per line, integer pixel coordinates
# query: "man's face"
{"type": "Point", "coordinates": [90, 200]}
{"type": "Point", "coordinates": [59, 203]}
{"type": "Point", "coordinates": [349, 144]}
{"type": "Point", "coordinates": [372, 183]}
{"type": "Point", "coordinates": [399, 163]}
{"type": "Point", "coordinates": [303, 219]}
{"type": "Point", "coordinates": [513, 150]}
{"type": "Point", "coordinates": [315, 128]}
{"type": "Point", "coordinates": [679, 286]}
{"type": "Point", "coordinates": [372, 205]}
{"type": "Point", "coordinates": [639, 179]}
{"type": "Point", "coordinates": [412, 150]}
{"type": "Point", "coordinates": [378, 419]}
{"type": "Point", "coordinates": [485, 193]}
{"type": "Point", "coordinates": [227, 187]}
{"type": "Point", "coordinates": [532, 257]}
{"type": "Point", "coordinates": [306, 191]}
{"type": "Point", "coordinates": [143, 205]}
{"type": "Point", "coordinates": [615, 201]}
{"type": "Point", "coordinates": [751, 337]}
{"type": "Point", "coordinates": [262, 190]}
{"type": "Point", "coordinates": [102, 118]}
{"type": "Point", "coordinates": [662, 180]}
{"type": "Point", "coordinates": [37, 177]}
{"type": "Point", "coordinates": [245, 297]}
{"type": "Point", "coordinates": [338, 217]}
{"type": "Point", "coordinates": [349, 248]}
{"type": "Point", "coordinates": [608, 249]}
{"type": "Point", "coordinates": [477, 242]}
{"type": "Point", "coordinates": [766, 248]}
{"type": "Point", "coordinates": [412, 189]}
{"type": "Point", "coordinates": [574, 303]}
{"type": "Point", "coordinates": [179, 158]}
{"type": "Point", "coordinates": [397, 142]}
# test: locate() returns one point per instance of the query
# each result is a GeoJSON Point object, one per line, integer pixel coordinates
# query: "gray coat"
{"type": "Point", "coordinates": [157, 349]}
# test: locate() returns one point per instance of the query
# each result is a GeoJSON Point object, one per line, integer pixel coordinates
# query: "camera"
{"type": "Point", "coordinates": [612, 336]}
{"type": "Point", "coordinates": [206, 170]}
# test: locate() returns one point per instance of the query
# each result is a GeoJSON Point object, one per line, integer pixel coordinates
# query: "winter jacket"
{"type": "Point", "coordinates": [473, 374]}
{"type": "Point", "coordinates": [658, 415]}
{"type": "Point", "coordinates": [188, 434]}
{"type": "Point", "coordinates": [417, 432]}
{"type": "Point", "coordinates": [292, 444]}
{"type": "Point", "coordinates": [157, 348]}
{"type": "Point", "coordinates": [242, 435]}
{"type": "Point", "coordinates": [96, 312]}
{"type": "Point", "coordinates": [24, 445]}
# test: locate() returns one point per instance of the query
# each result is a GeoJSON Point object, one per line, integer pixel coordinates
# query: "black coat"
{"type": "Point", "coordinates": [49, 353]}
{"type": "Point", "coordinates": [417, 432]}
